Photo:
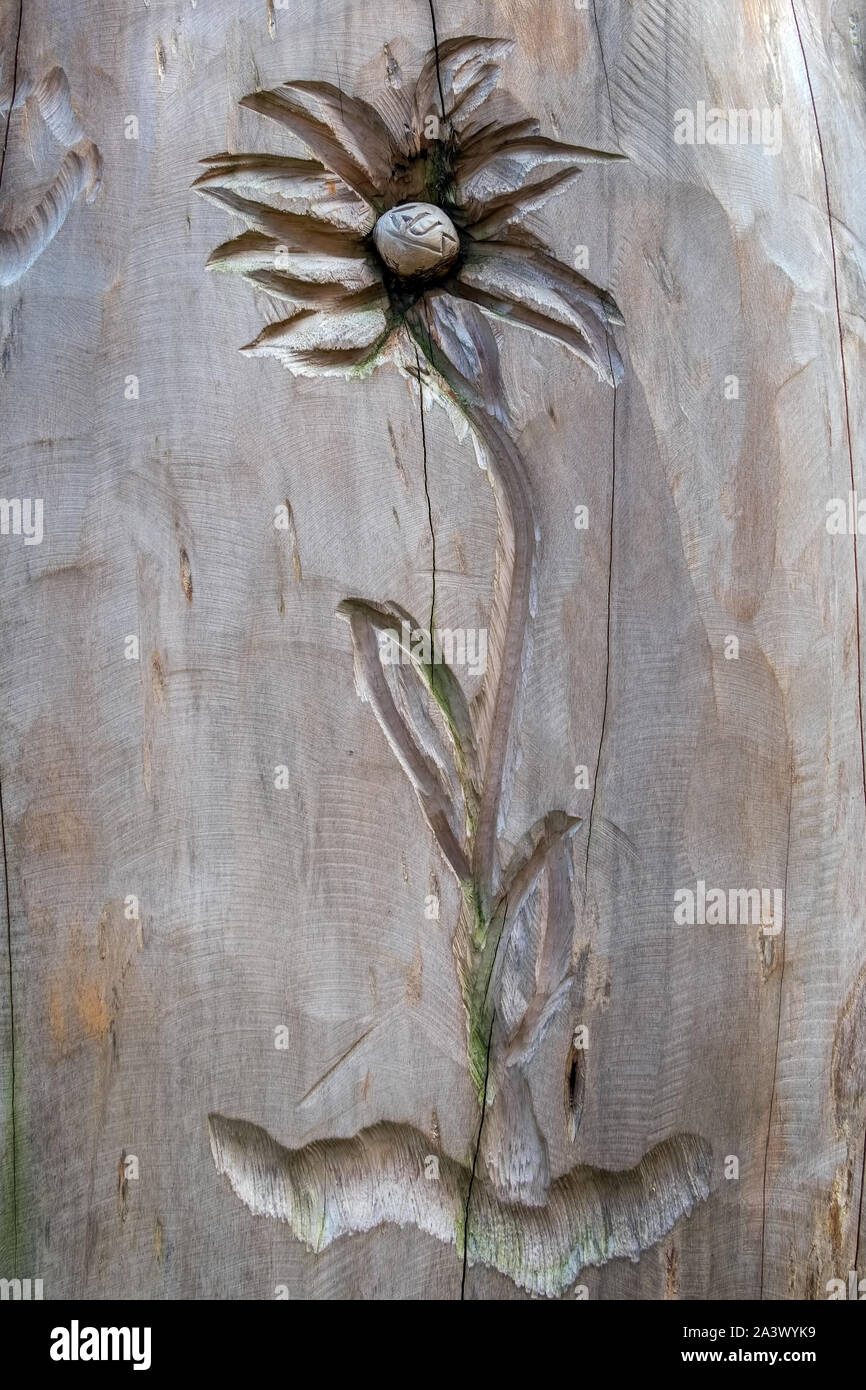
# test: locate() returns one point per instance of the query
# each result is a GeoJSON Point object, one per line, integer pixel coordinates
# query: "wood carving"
{"type": "Point", "coordinates": [400, 241]}
{"type": "Point", "coordinates": [416, 239]}
{"type": "Point", "coordinates": [80, 170]}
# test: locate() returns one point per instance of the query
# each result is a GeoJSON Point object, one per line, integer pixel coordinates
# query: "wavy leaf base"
{"type": "Point", "coordinates": [339, 1187]}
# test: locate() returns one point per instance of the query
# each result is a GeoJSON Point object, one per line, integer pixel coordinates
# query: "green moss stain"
{"type": "Point", "coordinates": [439, 182]}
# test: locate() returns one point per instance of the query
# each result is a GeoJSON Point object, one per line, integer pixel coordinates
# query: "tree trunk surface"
{"type": "Point", "coordinates": [229, 920]}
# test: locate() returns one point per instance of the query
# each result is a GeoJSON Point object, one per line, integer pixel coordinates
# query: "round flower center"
{"type": "Point", "coordinates": [416, 239]}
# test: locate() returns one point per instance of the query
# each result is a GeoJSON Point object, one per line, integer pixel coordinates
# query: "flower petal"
{"type": "Point", "coordinates": [464, 71]}
{"type": "Point", "coordinates": [491, 135]}
{"type": "Point", "coordinates": [538, 292]}
{"type": "Point", "coordinates": [447, 326]}
{"type": "Point", "coordinates": [253, 252]}
{"type": "Point", "coordinates": [499, 213]}
{"type": "Point", "coordinates": [302, 184]}
{"type": "Point", "coordinates": [347, 135]}
{"type": "Point", "coordinates": [255, 259]}
{"type": "Point", "coordinates": [324, 342]}
{"type": "Point", "coordinates": [296, 229]}
{"type": "Point", "coordinates": [303, 293]}
{"type": "Point", "coordinates": [495, 168]}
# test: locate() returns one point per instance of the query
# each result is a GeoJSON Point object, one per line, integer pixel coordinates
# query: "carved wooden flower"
{"type": "Point", "coordinates": [409, 219]}
{"type": "Point", "coordinates": [406, 232]}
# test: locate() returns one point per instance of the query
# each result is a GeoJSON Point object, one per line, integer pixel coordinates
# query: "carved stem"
{"type": "Point", "coordinates": [509, 617]}
{"type": "Point", "coordinates": [474, 946]}
{"type": "Point", "coordinates": [517, 545]}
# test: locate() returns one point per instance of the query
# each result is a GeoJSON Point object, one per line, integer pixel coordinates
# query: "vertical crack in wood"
{"type": "Point", "coordinates": [475, 1156]}
{"type": "Point", "coordinates": [436, 53]}
{"type": "Point", "coordinates": [853, 489]}
{"type": "Point", "coordinates": [483, 1103]}
{"type": "Point", "coordinates": [14, 90]}
{"type": "Point", "coordinates": [607, 652]}
{"type": "Point", "coordinates": [12, 1130]}
{"type": "Point", "coordinates": [12, 1126]}
{"type": "Point", "coordinates": [778, 1036]}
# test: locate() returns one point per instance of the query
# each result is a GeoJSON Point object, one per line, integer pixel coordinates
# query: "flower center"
{"type": "Point", "coordinates": [416, 239]}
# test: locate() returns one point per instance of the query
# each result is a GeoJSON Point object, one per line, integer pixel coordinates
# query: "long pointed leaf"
{"type": "Point", "coordinates": [372, 686]}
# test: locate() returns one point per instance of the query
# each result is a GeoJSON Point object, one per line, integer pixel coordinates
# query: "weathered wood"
{"type": "Point", "coordinates": [299, 900]}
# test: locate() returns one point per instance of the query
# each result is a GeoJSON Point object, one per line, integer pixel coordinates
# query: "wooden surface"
{"type": "Point", "coordinates": [304, 907]}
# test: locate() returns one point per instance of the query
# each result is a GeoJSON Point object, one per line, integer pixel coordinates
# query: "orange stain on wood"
{"type": "Point", "coordinates": [92, 1008]}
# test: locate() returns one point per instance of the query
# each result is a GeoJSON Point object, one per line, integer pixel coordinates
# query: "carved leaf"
{"type": "Point", "coordinates": [525, 1025]}
{"type": "Point", "coordinates": [515, 985]}
{"type": "Point", "coordinates": [303, 183]}
{"type": "Point", "coordinates": [80, 171]}
{"type": "Point", "coordinates": [439, 682]}
{"type": "Point", "coordinates": [372, 686]}
{"type": "Point", "coordinates": [538, 851]}
{"type": "Point", "coordinates": [538, 292]}
{"type": "Point", "coordinates": [553, 977]}
{"type": "Point", "coordinates": [532, 856]}
{"type": "Point", "coordinates": [346, 134]}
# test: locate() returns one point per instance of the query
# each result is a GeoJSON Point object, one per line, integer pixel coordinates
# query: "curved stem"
{"type": "Point", "coordinates": [517, 554]}
{"type": "Point", "coordinates": [474, 945]}
{"type": "Point", "coordinates": [509, 615]}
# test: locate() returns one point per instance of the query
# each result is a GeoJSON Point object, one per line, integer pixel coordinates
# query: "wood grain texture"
{"type": "Point", "coordinates": [304, 908]}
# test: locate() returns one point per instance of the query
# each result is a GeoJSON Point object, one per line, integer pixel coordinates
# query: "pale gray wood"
{"type": "Point", "coordinates": [306, 907]}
